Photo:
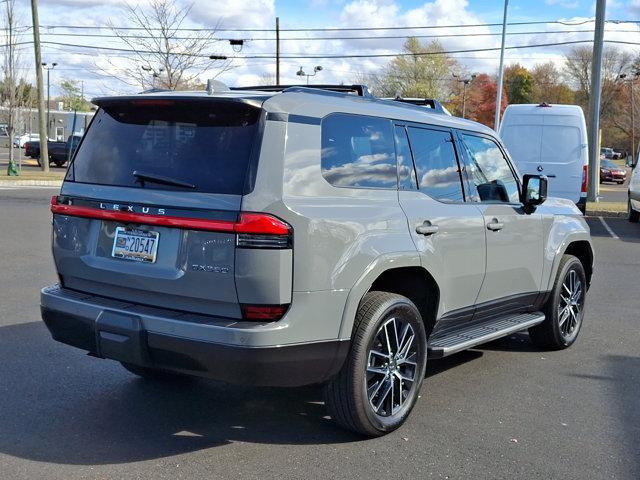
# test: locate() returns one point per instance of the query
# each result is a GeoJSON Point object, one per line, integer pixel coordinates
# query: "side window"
{"type": "Point", "coordinates": [491, 178]}
{"type": "Point", "coordinates": [406, 172]}
{"type": "Point", "coordinates": [358, 151]}
{"type": "Point", "coordinates": [436, 164]}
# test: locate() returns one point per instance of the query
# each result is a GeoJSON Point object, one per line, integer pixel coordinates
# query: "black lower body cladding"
{"type": "Point", "coordinates": [121, 336]}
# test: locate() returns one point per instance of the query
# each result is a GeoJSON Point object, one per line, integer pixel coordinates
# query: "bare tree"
{"type": "Point", "coordinates": [162, 54]}
{"type": "Point", "coordinates": [10, 63]}
{"type": "Point", "coordinates": [578, 71]}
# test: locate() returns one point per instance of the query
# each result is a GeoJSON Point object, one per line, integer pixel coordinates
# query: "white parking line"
{"type": "Point", "coordinates": [611, 232]}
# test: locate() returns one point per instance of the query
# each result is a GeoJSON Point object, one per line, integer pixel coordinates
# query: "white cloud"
{"type": "Point", "coordinates": [563, 3]}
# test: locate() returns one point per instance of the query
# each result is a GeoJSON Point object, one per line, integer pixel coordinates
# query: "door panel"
{"type": "Point", "coordinates": [514, 239]}
{"type": "Point", "coordinates": [448, 233]}
{"type": "Point", "coordinates": [514, 252]}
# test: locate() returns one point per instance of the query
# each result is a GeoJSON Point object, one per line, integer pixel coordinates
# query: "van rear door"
{"type": "Point", "coordinates": [549, 144]}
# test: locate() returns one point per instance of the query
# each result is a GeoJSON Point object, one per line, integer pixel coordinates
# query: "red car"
{"type": "Point", "coordinates": [610, 172]}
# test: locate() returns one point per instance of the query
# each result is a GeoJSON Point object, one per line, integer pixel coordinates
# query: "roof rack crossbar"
{"type": "Point", "coordinates": [421, 102]}
{"type": "Point", "coordinates": [360, 90]}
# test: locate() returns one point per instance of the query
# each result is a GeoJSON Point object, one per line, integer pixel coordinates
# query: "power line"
{"type": "Point", "coordinates": [326, 56]}
{"type": "Point", "coordinates": [379, 37]}
{"type": "Point", "coordinates": [331, 29]}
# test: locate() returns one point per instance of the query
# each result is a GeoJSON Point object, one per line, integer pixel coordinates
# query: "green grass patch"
{"type": "Point", "coordinates": [610, 207]}
{"type": "Point", "coordinates": [34, 176]}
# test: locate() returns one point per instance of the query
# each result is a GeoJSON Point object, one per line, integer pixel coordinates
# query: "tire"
{"type": "Point", "coordinates": [634, 216]}
{"type": "Point", "coordinates": [366, 376]}
{"type": "Point", "coordinates": [58, 163]}
{"type": "Point", "coordinates": [563, 319]}
{"type": "Point", "coordinates": [38, 160]}
{"type": "Point", "coordinates": [153, 373]}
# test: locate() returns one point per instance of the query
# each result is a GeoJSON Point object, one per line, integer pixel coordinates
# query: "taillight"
{"type": "Point", "coordinates": [258, 230]}
{"type": "Point", "coordinates": [253, 230]}
{"type": "Point", "coordinates": [263, 312]}
{"type": "Point", "coordinates": [585, 179]}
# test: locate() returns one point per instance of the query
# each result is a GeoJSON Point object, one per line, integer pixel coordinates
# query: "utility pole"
{"type": "Point", "coordinates": [594, 102]}
{"type": "Point", "coordinates": [277, 50]}
{"type": "Point", "coordinates": [44, 151]}
{"type": "Point", "coordinates": [496, 123]}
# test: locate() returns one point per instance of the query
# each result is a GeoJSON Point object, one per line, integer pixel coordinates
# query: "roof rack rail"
{"type": "Point", "coordinates": [360, 90]}
{"type": "Point", "coordinates": [421, 102]}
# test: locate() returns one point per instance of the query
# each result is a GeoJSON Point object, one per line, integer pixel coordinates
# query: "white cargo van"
{"type": "Point", "coordinates": [550, 140]}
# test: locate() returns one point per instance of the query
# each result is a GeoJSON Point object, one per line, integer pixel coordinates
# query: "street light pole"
{"type": "Point", "coordinates": [496, 123]}
{"type": "Point", "coordinates": [631, 80]}
{"type": "Point", "coordinates": [465, 82]}
{"type": "Point", "coordinates": [48, 68]}
{"type": "Point", "coordinates": [316, 69]}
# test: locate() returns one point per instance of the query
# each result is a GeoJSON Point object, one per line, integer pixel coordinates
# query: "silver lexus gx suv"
{"type": "Point", "coordinates": [296, 236]}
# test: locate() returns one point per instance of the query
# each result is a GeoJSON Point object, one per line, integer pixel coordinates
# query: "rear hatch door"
{"type": "Point", "coordinates": [147, 211]}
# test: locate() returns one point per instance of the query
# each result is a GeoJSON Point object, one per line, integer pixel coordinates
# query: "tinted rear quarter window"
{"type": "Point", "coordinates": [204, 143]}
{"type": "Point", "coordinates": [358, 151]}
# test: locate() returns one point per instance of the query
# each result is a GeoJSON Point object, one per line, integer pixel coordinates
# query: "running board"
{"type": "Point", "coordinates": [477, 334]}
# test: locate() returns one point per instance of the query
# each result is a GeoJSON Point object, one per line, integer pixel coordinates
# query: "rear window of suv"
{"type": "Point", "coordinates": [206, 144]}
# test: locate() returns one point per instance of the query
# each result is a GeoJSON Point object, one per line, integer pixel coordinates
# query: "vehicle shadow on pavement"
{"type": "Point", "coordinates": [516, 342]}
{"type": "Point", "coordinates": [58, 405]}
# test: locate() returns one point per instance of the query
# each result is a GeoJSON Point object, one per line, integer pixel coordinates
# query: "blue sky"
{"type": "Point", "coordinates": [101, 71]}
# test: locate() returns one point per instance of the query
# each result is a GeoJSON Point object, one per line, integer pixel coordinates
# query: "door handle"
{"type": "Point", "coordinates": [427, 228]}
{"type": "Point", "coordinates": [495, 225]}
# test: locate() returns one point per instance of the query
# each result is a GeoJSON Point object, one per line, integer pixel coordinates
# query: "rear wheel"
{"type": "Point", "coordinates": [564, 310]}
{"type": "Point", "coordinates": [153, 373]}
{"type": "Point", "coordinates": [634, 215]}
{"type": "Point", "coordinates": [378, 385]}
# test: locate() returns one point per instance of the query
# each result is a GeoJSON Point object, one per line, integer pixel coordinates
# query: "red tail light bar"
{"type": "Point", "coordinates": [585, 179]}
{"type": "Point", "coordinates": [248, 223]}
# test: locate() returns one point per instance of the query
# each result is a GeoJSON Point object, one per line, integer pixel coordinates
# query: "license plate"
{"type": "Point", "coordinates": [135, 244]}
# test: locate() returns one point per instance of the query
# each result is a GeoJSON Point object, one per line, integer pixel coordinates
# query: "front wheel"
{"type": "Point", "coordinates": [378, 384]}
{"type": "Point", "coordinates": [564, 310]}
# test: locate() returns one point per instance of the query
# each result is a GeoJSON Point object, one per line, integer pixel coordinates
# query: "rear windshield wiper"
{"type": "Point", "coordinates": [143, 177]}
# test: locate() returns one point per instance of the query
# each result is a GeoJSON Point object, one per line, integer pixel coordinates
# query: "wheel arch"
{"type": "Point", "coordinates": [583, 251]}
{"type": "Point", "coordinates": [404, 276]}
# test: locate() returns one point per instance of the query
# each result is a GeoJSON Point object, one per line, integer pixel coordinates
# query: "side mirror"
{"type": "Point", "coordinates": [534, 191]}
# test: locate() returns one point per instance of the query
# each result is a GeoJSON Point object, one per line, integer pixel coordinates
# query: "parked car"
{"type": "Point", "coordinates": [59, 152]}
{"type": "Point", "coordinates": [610, 172]}
{"type": "Point", "coordinates": [619, 153]}
{"type": "Point", "coordinates": [306, 236]}
{"type": "Point", "coordinates": [607, 152]}
{"type": "Point", "coordinates": [20, 140]}
{"type": "Point", "coordinates": [634, 195]}
{"type": "Point", "coordinates": [550, 140]}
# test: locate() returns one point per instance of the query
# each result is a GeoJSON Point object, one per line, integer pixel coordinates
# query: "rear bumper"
{"type": "Point", "coordinates": [124, 332]}
{"type": "Point", "coordinates": [582, 204]}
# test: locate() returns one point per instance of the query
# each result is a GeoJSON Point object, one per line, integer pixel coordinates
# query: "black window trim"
{"type": "Point", "coordinates": [413, 163]}
{"type": "Point", "coordinates": [458, 133]}
{"type": "Point", "coordinates": [451, 132]}
{"type": "Point", "coordinates": [386, 119]}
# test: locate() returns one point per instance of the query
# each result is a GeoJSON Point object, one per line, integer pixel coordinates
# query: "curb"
{"type": "Point", "coordinates": [30, 183]}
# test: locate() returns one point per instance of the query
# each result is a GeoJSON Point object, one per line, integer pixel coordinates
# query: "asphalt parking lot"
{"type": "Point", "coordinates": [505, 410]}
